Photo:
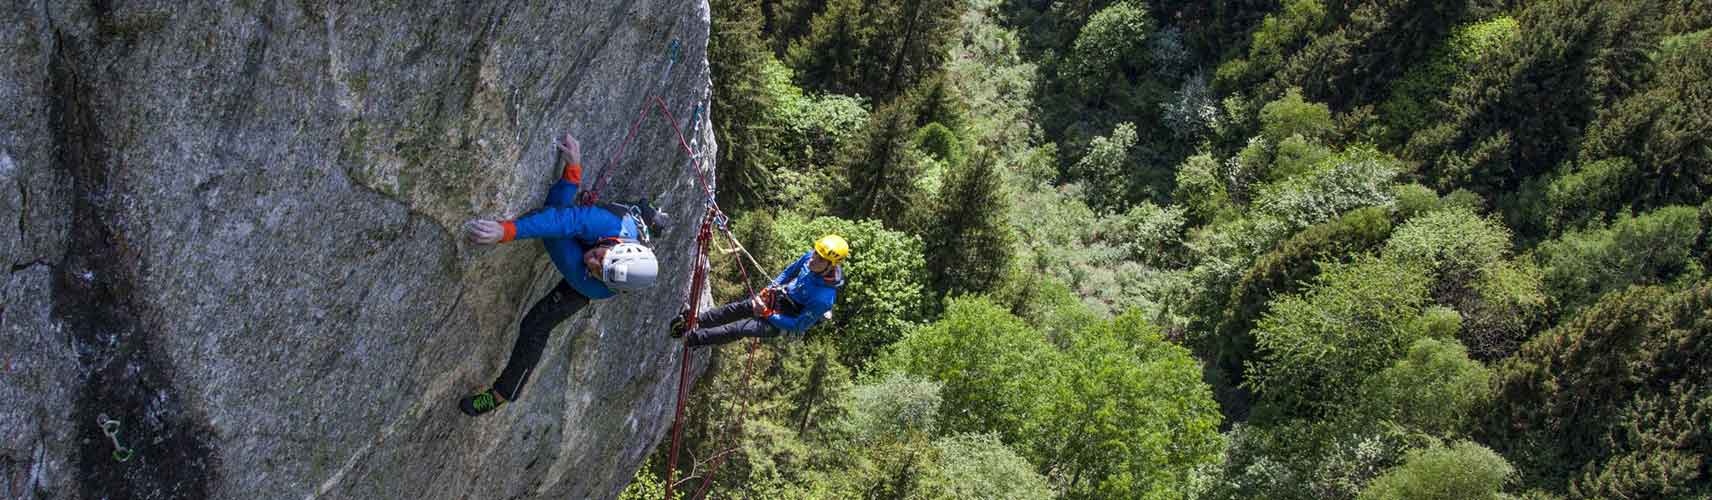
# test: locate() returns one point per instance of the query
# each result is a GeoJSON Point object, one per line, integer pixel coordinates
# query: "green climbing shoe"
{"type": "Point", "coordinates": [479, 403]}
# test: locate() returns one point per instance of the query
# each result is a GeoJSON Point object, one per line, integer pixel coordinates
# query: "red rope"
{"type": "Point", "coordinates": [700, 172]}
{"type": "Point", "coordinates": [748, 370]}
{"type": "Point", "coordinates": [592, 195]}
{"type": "Point", "coordinates": [699, 279]}
{"type": "Point", "coordinates": [703, 238]}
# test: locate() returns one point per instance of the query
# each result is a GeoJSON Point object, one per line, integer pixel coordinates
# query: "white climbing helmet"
{"type": "Point", "coordinates": [629, 266]}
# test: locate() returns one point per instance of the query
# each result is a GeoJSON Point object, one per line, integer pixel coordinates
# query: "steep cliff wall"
{"type": "Point", "coordinates": [232, 226]}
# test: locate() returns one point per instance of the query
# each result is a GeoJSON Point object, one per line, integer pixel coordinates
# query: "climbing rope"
{"type": "Point", "coordinates": [714, 217]}
{"type": "Point", "coordinates": [704, 237]}
{"type": "Point", "coordinates": [591, 195]}
{"type": "Point", "coordinates": [748, 370]}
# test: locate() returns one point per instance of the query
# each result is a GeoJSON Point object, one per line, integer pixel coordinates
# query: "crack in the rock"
{"type": "Point", "coordinates": [30, 264]}
{"type": "Point", "coordinates": [124, 374]}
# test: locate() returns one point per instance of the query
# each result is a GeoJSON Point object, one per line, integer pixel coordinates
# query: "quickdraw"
{"type": "Point", "coordinates": [110, 427]}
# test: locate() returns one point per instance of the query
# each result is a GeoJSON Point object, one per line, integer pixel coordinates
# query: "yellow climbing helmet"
{"type": "Point", "coordinates": [832, 247]}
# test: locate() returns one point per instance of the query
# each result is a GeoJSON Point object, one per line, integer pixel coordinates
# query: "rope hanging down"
{"type": "Point", "coordinates": [704, 236]}
{"type": "Point", "coordinates": [591, 195]}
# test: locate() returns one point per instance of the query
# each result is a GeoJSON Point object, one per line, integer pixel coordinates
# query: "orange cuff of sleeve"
{"type": "Point", "coordinates": [574, 173]}
{"type": "Point", "coordinates": [510, 231]}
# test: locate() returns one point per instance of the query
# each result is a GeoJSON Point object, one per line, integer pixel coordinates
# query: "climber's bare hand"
{"type": "Point", "coordinates": [482, 231]}
{"type": "Point", "coordinates": [572, 150]}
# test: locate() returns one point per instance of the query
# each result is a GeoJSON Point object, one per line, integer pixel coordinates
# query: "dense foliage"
{"type": "Point", "coordinates": [1280, 249]}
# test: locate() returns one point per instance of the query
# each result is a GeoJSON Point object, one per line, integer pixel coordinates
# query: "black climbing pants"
{"type": "Point", "coordinates": [558, 306]}
{"type": "Point", "coordinates": [728, 323]}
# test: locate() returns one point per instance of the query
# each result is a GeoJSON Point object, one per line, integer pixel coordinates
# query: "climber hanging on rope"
{"type": "Point", "coordinates": [798, 298]}
{"type": "Point", "coordinates": [599, 248]}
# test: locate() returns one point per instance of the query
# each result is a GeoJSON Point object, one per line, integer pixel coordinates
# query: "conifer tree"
{"type": "Point", "coordinates": [744, 131]}
{"type": "Point", "coordinates": [969, 245]}
{"type": "Point", "coordinates": [879, 174]}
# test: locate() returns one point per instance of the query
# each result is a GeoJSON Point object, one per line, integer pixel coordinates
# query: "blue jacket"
{"type": "Point", "coordinates": [567, 229]}
{"type": "Point", "coordinates": [814, 292]}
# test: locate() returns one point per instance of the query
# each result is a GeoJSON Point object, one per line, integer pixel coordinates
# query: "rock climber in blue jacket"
{"type": "Point", "coordinates": [799, 298]}
{"type": "Point", "coordinates": [600, 249]}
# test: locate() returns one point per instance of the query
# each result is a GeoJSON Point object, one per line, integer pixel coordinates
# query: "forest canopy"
{"type": "Point", "coordinates": [1292, 249]}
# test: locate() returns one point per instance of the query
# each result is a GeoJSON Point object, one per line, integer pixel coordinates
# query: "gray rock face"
{"type": "Point", "coordinates": [233, 227]}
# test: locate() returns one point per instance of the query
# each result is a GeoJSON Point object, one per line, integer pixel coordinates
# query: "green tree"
{"type": "Point", "coordinates": [980, 466]}
{"type": "Point", "coordinates": [1278, 34]}
{"type": "Point", "coordinates": [1501, 130]}
{"type": "Point", "coordinates": [1131, 417]}
{"type": "Point", "coordinates": [787, 20]}
{"type": "Point", "coordinates": [894, 405]}
{"type": "Point", "coordinates": [832, 56]}
{"type": "Point", "coordinates": [1106, 169]}
{"type": "Point", "coordinates": [746, 129]}
{"type": "Point", "coordinates": [1410, 107]}
{"type": "Point", "coordinates": [1282, 271]}
{"type": "Point", "coordinates": [1200, 188]}
{"type": "Point", "coordinates": [923, 34]}
{"type": "Point", "coordinates": [1434, 389]}
{"type": "Point", "coordinates": [1662, 127]}
{"type": "Point", "coordinates": [880, 174]}
{"type": "Point", "coordinates": [816, 130]}
{"type": "Point", "coordinates": [1357, 177]}
{"type": "Point", "coordinates": [1467, 256]}
{"type": "Point", "coordinates": [940, 143]}
{"type": "Point", "coordinates": [1613, 402]}
{"type": "Point", "coordinates": [993, 367]}
{"type": "Point", "coordinates": [1318, 346]}
{"type": "Point", "coordinates": [1654, 248]}
{"type": "Point", "coordinates": [1462, 471]}
{"type": "Point", "coordinates": [969, 242]}
{"type": "Point", "coordinates": [1292, 116]}
{"type": "Point", "coordinates": [875, 49]}
{"type": "Point", "coordinates": [936, 99]}
{"type": "Point", "coordinates": [1110, 50]}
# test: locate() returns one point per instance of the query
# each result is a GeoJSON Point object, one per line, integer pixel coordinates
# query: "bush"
{"type": "Point", "coordinates": [1434, 389]}
{"type": "Point", "coordinates": [1654, 248]}
{"type": "Point", "coordinates": [1462, 471]}
{"type": "Point", "coordinates": [1316, 347]}
{"type": "Point", "coordinates": [980, 466]}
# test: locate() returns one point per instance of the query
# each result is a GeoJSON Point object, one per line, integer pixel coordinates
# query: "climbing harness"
{"type": "Point", "coordinates": [640, 212]}
{"type": "Point", "coordinates": [110, 427]}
